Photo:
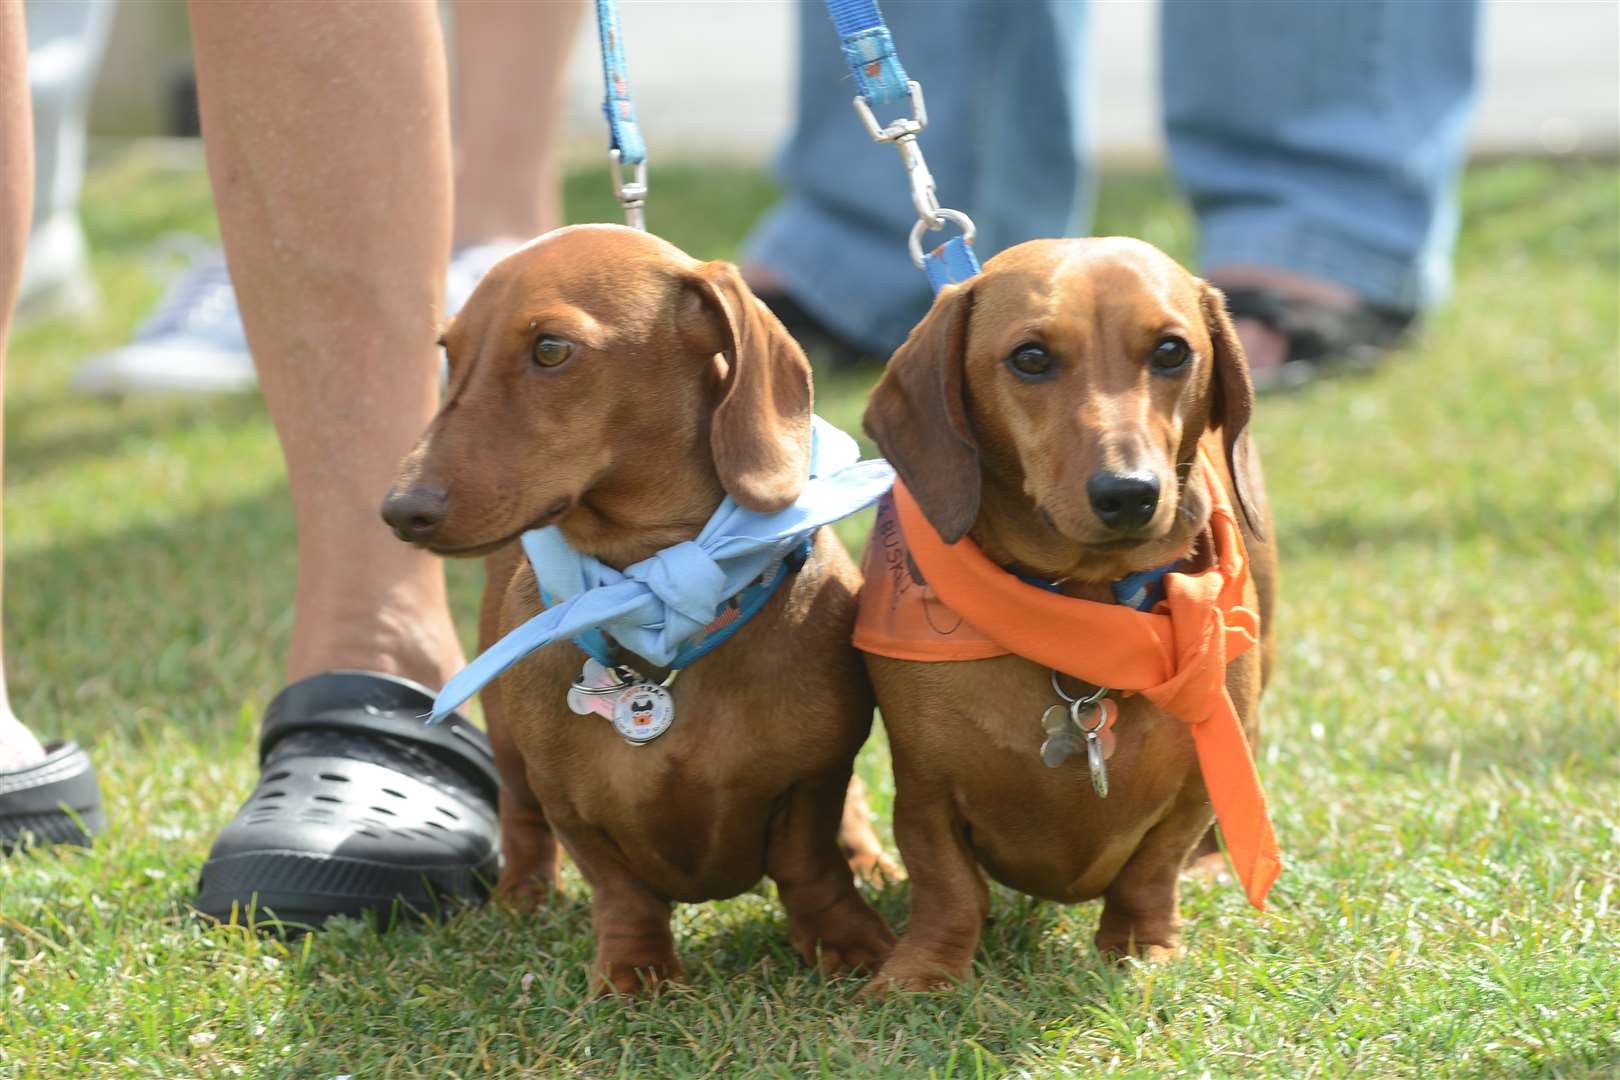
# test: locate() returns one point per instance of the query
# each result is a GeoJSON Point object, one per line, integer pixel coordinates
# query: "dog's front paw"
{"type": "Point", "coordinates": [528, 893]}
{"type": "Point", "coordinates": [915, 973]}
{"type": "Point", "coordinates": [1119, 950]}
{"type": "Point", "coordinates": [629, 979]}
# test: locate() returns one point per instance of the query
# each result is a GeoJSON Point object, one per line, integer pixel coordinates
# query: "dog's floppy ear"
{"type": "Point", "coordinates": [918, 416]}
{"type": "Point", "coordinates": [760, 430]}
{"type": "Point", "coordinates": [1231, 404]}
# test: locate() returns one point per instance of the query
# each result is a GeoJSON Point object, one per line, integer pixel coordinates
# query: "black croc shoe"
{"type": "Point", "coordinates": [53, 801]}
{"type": "Point", "coordinates": [361, 808]}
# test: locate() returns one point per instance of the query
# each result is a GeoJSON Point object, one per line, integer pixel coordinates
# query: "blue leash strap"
{"type": "Point", "coordinates": [950, 263]}
{"type": "Point", "coordinates": [626, 149]}
{"type": "Point", "coordinates": [870, 51]}
{"type": "Point", "coordinates": [869, 48]}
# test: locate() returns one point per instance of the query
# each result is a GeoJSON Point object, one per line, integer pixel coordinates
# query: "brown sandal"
{"type": "Point", "coordinates": [1320, 336]}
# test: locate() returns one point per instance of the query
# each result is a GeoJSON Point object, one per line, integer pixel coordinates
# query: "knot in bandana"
{"type": "Point", "coordinates": [653, 606]}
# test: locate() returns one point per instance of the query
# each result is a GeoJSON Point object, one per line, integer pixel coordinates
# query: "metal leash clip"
{"type": "Point", "coordinates": [632, 195]}
{"type": "Point", "coordinates": [903, 133]}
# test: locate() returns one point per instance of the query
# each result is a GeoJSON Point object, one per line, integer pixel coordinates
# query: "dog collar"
{"type": "Point", "coordinates": [734, 614]}
{"type": "Point", "coordinates": [1141, 590]}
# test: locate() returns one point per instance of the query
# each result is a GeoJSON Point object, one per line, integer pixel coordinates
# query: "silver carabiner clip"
{"type": "Point", "coordinates": [906, 125]}
{"type": "Point", "coordinates": [941, 216]}
{"type": "Point", "coordinates": [632, 195]}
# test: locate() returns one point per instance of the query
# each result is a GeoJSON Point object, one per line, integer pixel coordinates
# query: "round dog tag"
{"type": "Point", "coordinates": [643, 713]}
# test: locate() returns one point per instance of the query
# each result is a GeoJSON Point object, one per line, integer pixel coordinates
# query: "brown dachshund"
{"type": "Point", "coordinates": [604, 382]}
{"type": "Point", "coordinates": [1053, 408]}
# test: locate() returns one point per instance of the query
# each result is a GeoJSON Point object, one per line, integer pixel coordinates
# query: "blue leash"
{"type": "Point", "coordinates": [881, 80]}
{"type": "Point", "coordinates": [625, 145]}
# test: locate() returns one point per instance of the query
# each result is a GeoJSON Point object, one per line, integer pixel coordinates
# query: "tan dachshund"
{"type": "Point", "coordinates": [1052, 408]}
{"type": "Point", "coordinates": [604, 382]}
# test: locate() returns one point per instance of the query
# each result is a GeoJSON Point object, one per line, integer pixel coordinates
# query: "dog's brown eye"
{"type": "Point", "coordinates": [1170, 354]}
{"type": "Point", "coordinates": [1030, 362]}
{"type": "Point", "coordinates": [550, 351]}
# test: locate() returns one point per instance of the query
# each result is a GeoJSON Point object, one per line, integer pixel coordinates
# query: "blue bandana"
{"type": "Point", "coordinates": [655, 606]}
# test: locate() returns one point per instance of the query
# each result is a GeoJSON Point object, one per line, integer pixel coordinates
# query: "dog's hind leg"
{"type": "Point", "coordinates": [860, 841]}
{"type": "Point", "coordinates": [1207, 860]}
{"type": "Point", "coordinates": [831, 924]}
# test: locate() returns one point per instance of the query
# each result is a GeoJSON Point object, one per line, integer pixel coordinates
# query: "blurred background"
{"type": "Point", "coordinates": [1442, 740]}
{"type": "Point", "coordinates": [1551, 78]}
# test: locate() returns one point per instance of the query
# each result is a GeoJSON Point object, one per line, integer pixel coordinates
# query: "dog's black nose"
{"type": "Point", "coordinates": [415, 514]}
{"type": "Point", "coordinates": [1123, 500]}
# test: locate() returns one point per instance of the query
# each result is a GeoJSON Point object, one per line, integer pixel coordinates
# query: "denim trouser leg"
{"type": "Point", "coordinates": [1324, 136]}
{"type": "Point", "coordinates": [1002, 83]}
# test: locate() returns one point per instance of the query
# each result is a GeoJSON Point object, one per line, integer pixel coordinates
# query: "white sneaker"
{"type": "Point", "coordinates": [194, 342]}
{"type": "Point", "coordinates": [56, 271]}
{"type": "Point", "coordinates": [468, 267]}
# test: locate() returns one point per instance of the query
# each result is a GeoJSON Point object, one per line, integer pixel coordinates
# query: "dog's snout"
{"type": "Point", "coordinates": [416, 513]}
{"type": "Point", "coordinates": [1123, 500]}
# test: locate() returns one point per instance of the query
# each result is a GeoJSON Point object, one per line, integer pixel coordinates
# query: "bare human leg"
{"type": "Point", "coordinates": [328, 141]}
{"type": "Point", "coordinates": [328, 146]}
{"type": "Point", "coordinates": [18, 746]}
{"type": "Point", "coordinates": [508, 186]}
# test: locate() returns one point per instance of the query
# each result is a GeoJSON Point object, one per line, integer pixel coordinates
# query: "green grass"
{"type": "Point", "coordinates": [1443, 752]}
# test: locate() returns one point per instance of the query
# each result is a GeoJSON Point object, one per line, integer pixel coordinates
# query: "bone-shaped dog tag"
{"type": "Point", "coordinates": [596, 689]}
{"type": "Point", "coordinates": [1061, 742]}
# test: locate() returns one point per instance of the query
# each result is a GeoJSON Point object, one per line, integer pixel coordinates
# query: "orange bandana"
{"type": "Point", "coordinates": [1176, 655]}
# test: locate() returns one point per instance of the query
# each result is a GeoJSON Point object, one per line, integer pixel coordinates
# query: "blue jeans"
{"type": "Point", "coordinates": [1323, 137]}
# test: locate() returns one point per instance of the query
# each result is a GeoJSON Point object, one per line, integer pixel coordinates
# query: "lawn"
{"type": "Point", "coordinates": [1443, 751]}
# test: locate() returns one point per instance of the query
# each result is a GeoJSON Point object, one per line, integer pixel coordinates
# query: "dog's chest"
{"type": "Point", "coordinates": [729, 727]}
{"type": "Point", "coordinates": [1041, 829]}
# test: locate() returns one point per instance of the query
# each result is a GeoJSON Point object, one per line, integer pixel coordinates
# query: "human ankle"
{"type": "Point", "coordinates": [1265, 347]}
{"type": "Point", "coordinates": [1290, 283]}
{"type": "Point", "coordinates": [413, 640]}
{"type": "Point", "coordinates": [18, 746]}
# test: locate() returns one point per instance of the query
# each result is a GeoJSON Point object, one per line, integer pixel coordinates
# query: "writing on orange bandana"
{"type": "Point", "coordinates": [928, 600]}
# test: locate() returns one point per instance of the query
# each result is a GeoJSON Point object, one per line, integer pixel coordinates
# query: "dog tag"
{"type": "Point", "coordinates": [1098, 763]}
{"type": "Point", "coordinates": [1095, 721]}
{"type": "Point", "coordinates": [1062, 738]}
{"type": "Point", "coordinates": [643, 712]}
{"type": "Point", "coordinates": [597, 689]}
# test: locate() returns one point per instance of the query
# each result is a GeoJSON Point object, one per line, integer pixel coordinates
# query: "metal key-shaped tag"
{"type": "Point", "coordinates": [1095, 721]}
{"type": "Point", "coordinates": [643, 712]}
{"type": "Point", "coordinates": [1062, 737]}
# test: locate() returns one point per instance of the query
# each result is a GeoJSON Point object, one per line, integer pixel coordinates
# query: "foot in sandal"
{"type": "Point", "coordinates": [48, 793]}
{"type": "Point", "coordinates": [360, 808]}
{"type": "Point", "coordinates": [1294, 327]}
